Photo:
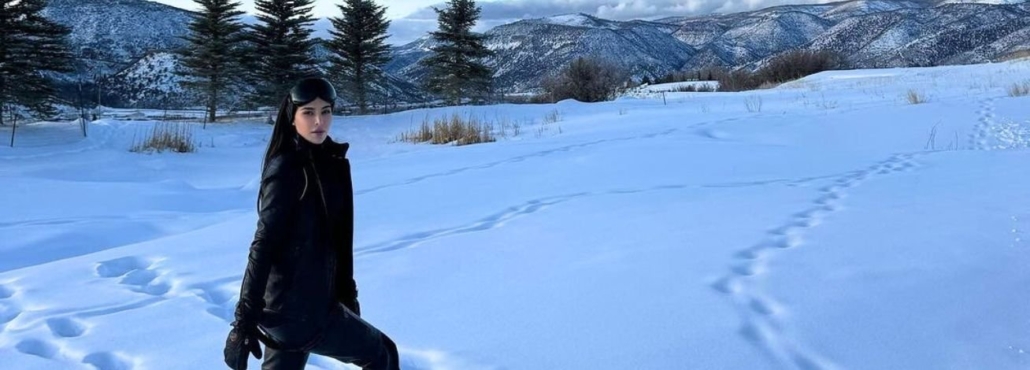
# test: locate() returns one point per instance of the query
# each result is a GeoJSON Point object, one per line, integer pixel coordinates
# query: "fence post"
{"type": "Point", "coordinates": [14, 127]}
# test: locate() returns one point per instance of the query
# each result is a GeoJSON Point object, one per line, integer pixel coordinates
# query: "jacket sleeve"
{"type": "Point", "coordinates": [277, 199]}
{"type": "Point", "coordinates": [346, 287]}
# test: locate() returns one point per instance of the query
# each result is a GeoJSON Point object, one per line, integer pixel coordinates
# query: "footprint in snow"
{"type": "Point", "coordinates": [108, 361]}
{"type": "Point", "coordinates": [9, 309]}
{"type": "Point", "coordinates": [66, 327]}
{"type": "Point", "coordinates": [136, 272]}
{"type": "Point", "coordinates": [36, 347]}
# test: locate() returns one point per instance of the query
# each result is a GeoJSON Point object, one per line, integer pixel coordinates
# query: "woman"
{"type": "Point", "coordinates": [298, 294]}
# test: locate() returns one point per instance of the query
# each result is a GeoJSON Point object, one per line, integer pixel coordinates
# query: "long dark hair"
{"type": "Point", "coordinates": [282, 131]}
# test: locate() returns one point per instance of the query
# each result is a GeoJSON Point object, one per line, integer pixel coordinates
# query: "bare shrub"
{"type": "Point", "coordinates": [704, 74]}
{"type": "Point", "coordinates": [796, 64]}
{"type": "Point", "coordinates": [705, 88]}
{"type": "Point", "coordinates": [701, 87]}
{"type": "Point", "coordinates": [586, 80]}
{"type": "Point", "coordinates": [687, 88]}
{"type": "Point", "coordinates": [785, 67]}
{"type": "Point", "coordinates": [739, 80]}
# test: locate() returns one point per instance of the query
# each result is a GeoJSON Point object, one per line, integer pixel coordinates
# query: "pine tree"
{"type": "Point", "coordinates": [359, 48]}
{"type": "Point", "coordinates": [29, 45]}
{"type": "Point", "coordinates": [213, 57]}
{"type": "Point", "coordinates": [455, 67]}
{"type": "Point", "coordinates": [282, 47]}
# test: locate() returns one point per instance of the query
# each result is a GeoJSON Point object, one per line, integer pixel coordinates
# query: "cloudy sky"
{"type": "Point", "coordinates": [411, 19]}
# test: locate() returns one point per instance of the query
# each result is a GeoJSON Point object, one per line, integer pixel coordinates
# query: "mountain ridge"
{"type": "Point", "coordinates": [113, 40]}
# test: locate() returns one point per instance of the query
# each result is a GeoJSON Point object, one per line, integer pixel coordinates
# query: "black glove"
{"type": "Point", "coordinates": [242, 341]}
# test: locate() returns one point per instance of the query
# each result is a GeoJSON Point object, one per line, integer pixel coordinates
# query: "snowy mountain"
{"type": "Point", "coordinates": [951, 34]}
{"type": "Point", "coordinates": [111, 35]}
{"type": "Point", "coordinates": [868, 33]}
{"type": "Point", "coordinates": [529, 50]}
{"type": "Point", "coordinates": [151, 82]}
{"type": "Point", "coordinates": [125, 38]}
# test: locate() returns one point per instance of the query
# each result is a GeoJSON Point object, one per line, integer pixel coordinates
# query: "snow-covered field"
{"type": "Point", "coordinates": [824, 224]}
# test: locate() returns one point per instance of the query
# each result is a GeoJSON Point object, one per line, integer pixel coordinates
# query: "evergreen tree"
{"type": "Point", "coordinates": [30, 45]}
{"type": "Point", "coordinates": [359, 48]}
{"type": "Point", "coordinates": [455, 67]}
{"type": "Point", "coordinates": [212, 60]}
{"type": "Point", "coordinates": [282, 47]}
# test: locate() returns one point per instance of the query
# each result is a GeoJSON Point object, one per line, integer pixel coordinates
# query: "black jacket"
{"type": "Point", "coordinates": [301, 259]}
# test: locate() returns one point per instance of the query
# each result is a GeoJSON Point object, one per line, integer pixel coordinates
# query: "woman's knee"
{"type": "Point", "coordinates": [391, 357]}
{"type": "Point", "coordinates": [284, 360]}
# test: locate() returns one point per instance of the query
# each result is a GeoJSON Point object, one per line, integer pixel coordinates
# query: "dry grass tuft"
{"type": "Point", "coordinates": [454, 130]}
{"type": "Point", "coordinates": [170, 136]}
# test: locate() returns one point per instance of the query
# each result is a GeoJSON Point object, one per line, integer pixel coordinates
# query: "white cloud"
{"type": "Point", "coordinates": [628, 9]}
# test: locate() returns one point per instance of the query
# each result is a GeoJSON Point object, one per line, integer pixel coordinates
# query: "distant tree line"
{"type": "Point", "coordinates": [225, 57]}
{"type": "Point", "coordinates": [786, 66]}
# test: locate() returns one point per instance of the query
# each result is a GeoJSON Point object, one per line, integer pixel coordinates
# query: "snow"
{"type": "Point", "coordinates": [576, 20]}
{"type": "Point", "coordinates": [824, 224]}
{"type": "Point", "coordinates": [656, 90]}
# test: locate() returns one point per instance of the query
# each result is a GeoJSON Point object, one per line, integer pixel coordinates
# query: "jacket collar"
{"type": "Point", "coordinates": [328, 147]}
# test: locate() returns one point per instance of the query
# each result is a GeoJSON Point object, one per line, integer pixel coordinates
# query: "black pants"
{"type": "Point", "coordinates": [346, 338]}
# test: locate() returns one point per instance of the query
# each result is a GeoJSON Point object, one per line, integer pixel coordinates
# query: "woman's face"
{"type": "Point", "coordinates": [313, 119]}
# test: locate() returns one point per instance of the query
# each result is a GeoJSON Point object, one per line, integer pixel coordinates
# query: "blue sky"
{"type": "Point", "coordinates": [411, 19]}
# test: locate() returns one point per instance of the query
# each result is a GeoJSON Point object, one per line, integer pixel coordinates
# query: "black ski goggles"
{"type": "Point", "coordinates": [309, 89]}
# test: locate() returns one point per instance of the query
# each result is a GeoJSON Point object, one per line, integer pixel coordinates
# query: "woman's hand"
{"type": "Point", "coordinates": [242, 341]}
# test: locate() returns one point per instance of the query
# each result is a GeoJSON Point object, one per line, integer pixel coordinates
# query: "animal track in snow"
{"type": "Point", "coordinates": [533, 206]}
{"type": "Point", "coordinates": [761, 315]}
{"type": "Point", "coordinates": [978, 139]}
{"type": "Point", "coordinates": [544, 153]}
{"type": "Point", "coordinates": [486, 223]}
{"type": "Point", "coordinates": [516, 159]}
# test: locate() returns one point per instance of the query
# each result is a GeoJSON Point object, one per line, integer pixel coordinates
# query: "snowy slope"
{"type": "Point", "coordinates": [823, 224]}
{"type": "Point", "coordinates": [109, 35]}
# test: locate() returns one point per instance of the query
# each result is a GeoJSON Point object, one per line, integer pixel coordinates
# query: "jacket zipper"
{"type": "Point", "coordinates": [325, 210]}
